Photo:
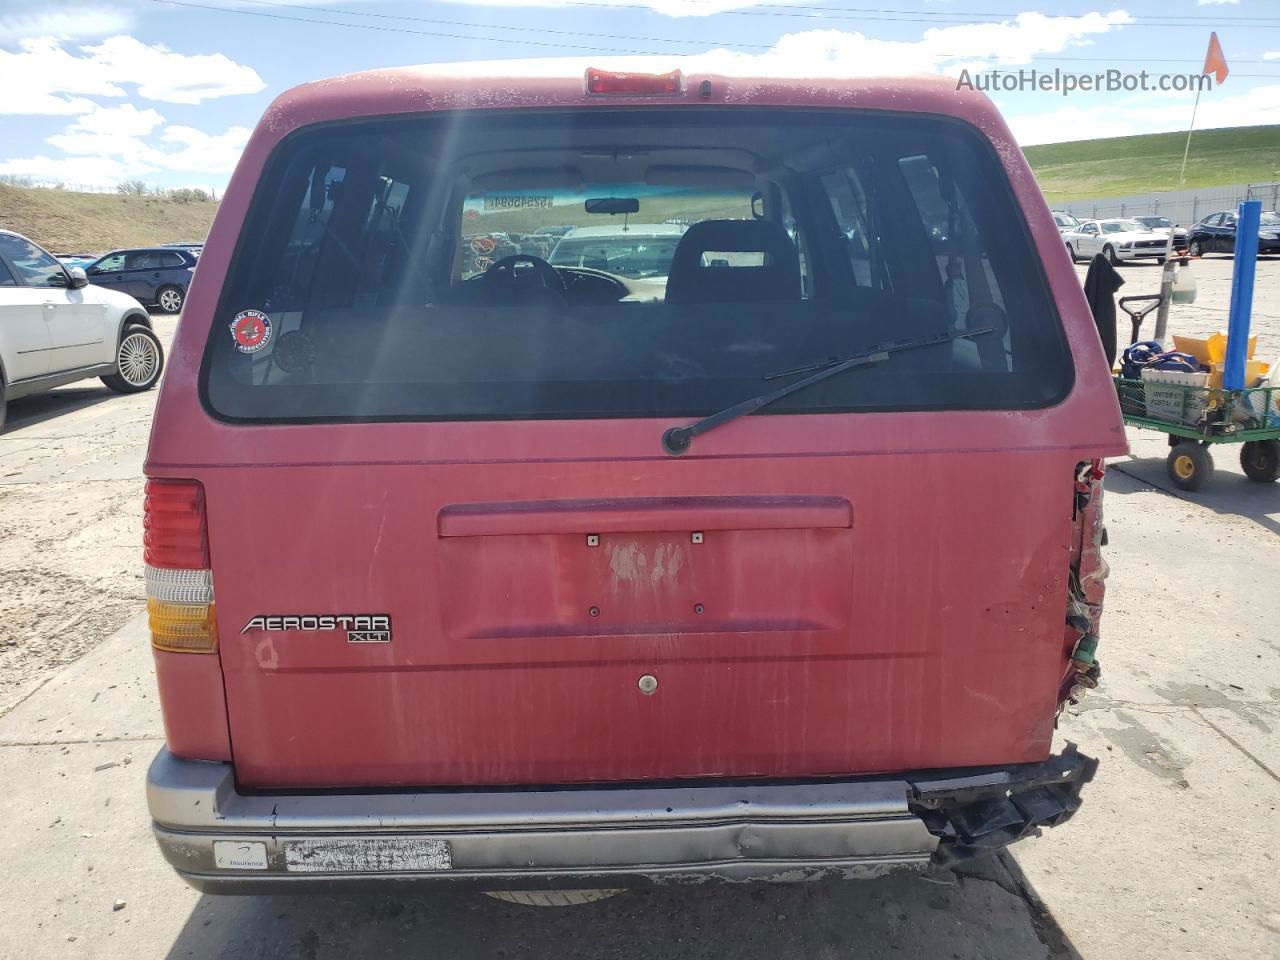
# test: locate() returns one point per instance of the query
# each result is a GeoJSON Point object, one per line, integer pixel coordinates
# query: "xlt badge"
{"type": "Point", "coordinates": [360, 627]}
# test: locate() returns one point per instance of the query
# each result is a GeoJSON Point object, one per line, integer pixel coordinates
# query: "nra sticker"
{"type": "Point", "coordinates": [251, 330]}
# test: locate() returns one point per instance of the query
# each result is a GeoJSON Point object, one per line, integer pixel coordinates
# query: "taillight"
{"type": "Point", "coordinates": [606, 82]}
{"type": "Point", "coordinates": [179, 582]}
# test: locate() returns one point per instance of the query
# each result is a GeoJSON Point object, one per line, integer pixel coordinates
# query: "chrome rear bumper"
{"type": "Point", "coordinates": [222, 841]}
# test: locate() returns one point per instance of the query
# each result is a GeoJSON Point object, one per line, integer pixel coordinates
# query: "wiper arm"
{"type": "Point", "coordinates": [676, 440]}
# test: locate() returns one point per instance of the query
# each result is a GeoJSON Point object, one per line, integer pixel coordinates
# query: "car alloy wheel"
{"type": "Point", "coordinates": [170, 300]}
{"type": "Point", "coordinates": [138, 360]}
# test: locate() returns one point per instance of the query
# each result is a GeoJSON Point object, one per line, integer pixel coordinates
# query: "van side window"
{"type": "Point", "coordinates": [853, 221]}
{"type": "Point", "coordinates": [110, 264]}
{"type": "Point", "coordinates": [956, 246]}
{"type": "Point", "coordinates": [321, 186]}
{"type": "Point", "coordinates": [384, 250]}
{"type": "Point", "coordinates": [800, 237]}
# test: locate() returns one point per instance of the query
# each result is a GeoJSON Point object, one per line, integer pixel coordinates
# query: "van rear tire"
{"type": "Point", "coordinates": [1189, 465]}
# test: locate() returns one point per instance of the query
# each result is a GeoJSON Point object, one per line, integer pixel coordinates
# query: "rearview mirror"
{"type": "Point", "coordinates": [613, 205]}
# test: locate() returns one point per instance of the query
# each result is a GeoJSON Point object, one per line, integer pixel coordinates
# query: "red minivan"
{"type": "Point", "coordinates": [756, 534]}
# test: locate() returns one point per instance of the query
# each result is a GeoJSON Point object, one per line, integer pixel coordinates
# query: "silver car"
{"type": "Point", "coordinates": [1118, 239]}
{"type": "Point", "coordinates": [55, 328]}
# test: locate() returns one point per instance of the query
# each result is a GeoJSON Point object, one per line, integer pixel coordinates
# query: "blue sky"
{"type": "Point", "coordinates": [97, 92]}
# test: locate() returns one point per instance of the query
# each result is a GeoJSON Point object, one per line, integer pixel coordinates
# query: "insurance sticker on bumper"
{"type": "Point", "coordinates": [367, 855]}
{"type": "Point", "coordinates": [239, 855]}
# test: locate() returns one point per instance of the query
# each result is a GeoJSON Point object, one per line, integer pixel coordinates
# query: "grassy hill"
{"type": "Point", "coordinates": [1115, 166]}
{"type": "Point", "coordinates": [64, 221]}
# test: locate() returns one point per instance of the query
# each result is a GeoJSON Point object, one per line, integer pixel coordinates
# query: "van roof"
{"type": "Point", "coordinates": [540, 83]}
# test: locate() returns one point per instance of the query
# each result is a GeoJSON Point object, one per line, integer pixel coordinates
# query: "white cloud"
{"type": "Point", "coordinates": [1216, 3]}
{"type": "Point", "coordinates": [202, 152]}
{"type": "Point", "coordinates": [841, 53]}
{"type": "Point", "coordinates": [669, 8]}
{"type": "Point", "coordinates": [1260, 105]}
{"type": "Point", "coordinates": [161, 74]}
{"type": "Point", "coordinates": [124, 120]}
{"type": "Point", "coordinates": [940, 49]}
{"type": "Point", "coordinates": [95, 171]}
{"type": "Point", "coordinates": [42, 77]}
{"type": "Point", "coordinates": [64, 22]}
{"type": "Point", "coordinates": [109, 132]}
{"type": "Point", "coordinates": [1271, 55]}
{"type": "Point", "coordinates": [111, 144]}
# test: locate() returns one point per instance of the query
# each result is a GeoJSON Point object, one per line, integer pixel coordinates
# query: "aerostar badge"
{"type": "Point", "coordinates": [360, 628]}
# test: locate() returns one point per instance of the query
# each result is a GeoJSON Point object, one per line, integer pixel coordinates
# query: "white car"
{"type": "Point", "coordinates": [1065, 221]}
{"type": "Point", "coordinates": [1117, 239]}
{"type": "Point", "coordinates": [55, 328]}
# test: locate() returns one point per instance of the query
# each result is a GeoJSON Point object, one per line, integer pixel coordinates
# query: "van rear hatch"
{"type": "Point", "coordinates": [448, 547]}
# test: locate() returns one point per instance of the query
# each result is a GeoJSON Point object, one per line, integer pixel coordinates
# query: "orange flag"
{"type": "Point", "coordinates": [1214, 61]}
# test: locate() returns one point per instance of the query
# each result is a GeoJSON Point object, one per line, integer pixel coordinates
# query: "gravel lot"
{"type": "Point", "coordinates": [70, 525]}
{"type": "Point", "coordinates": [1174, 854]}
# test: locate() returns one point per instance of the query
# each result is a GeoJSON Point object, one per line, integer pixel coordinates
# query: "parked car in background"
{"type": "Point", "coordinates": [193, 247]}
{"type": "Point", "coordinates": [156, 276]}
{"type": "Point", "coordinates": [1164, 225]}
{"type": "Point", "coordinates": [638, 251]}
{"type": "Point", "coordinates": [1065, 221]}
{"type": "Point", "coordinates": [56, 328]}
{"type": "Point", "coordinates": [81, 260]}
{"type": "Point", "coordinates": [1119, 240]}
{"type": "Point", "coordinates": [1216, 233]}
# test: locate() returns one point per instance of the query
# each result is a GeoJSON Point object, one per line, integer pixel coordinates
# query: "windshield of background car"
{"type": "Point", "coordinates": [372, 280]}
{"type": "Point", "coordinates": [632, 254]}
{"type": "Point", "coordinates": [1123, 226]}
{"type": "Point", "coordinates": [553, 224]}
{"type": "Point", "coordinates": [1270, 219]}
{"type": "Point", "coordinates": [34, 267]}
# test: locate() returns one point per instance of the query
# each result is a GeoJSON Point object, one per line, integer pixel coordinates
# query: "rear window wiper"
{"type": "Point", "coordinates": [676, 440]}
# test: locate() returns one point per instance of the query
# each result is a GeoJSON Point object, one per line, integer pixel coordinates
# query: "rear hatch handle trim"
{"type": "Point", "coordinates": [643, 515]}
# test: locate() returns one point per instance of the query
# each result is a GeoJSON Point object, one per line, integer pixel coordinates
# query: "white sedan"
{"type": "Point", "coordinates": [1118, 240]}
{"type": "Point", "coordinates": [55, 328]}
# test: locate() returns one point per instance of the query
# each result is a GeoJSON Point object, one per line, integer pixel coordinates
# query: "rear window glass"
{"type": "Point", "coordinates": [629, 264]}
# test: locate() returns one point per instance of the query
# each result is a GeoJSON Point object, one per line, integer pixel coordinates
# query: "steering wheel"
{"type": "Point", "coordinates": [504, 272]}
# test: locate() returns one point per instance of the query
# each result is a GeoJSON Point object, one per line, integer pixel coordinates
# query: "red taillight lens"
{"type": "Point", "coordinates": [174, 533]}
{"type": "Point", "coordinates": [633, 84]}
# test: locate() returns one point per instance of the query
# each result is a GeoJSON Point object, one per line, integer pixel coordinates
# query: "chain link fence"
{"type": "Point", "coordinates": [1183, 207]}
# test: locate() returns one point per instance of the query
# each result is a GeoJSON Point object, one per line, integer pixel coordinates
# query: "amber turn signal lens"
{"type": "Point", "coordinates": [182, 627]}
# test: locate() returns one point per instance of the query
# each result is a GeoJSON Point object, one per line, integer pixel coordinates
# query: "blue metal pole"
{"type": "Point", "coordinates": [1242, 273]}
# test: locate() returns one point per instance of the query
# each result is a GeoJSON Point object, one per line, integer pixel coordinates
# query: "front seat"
{"type": "Point", "coordinates": [695, 278]}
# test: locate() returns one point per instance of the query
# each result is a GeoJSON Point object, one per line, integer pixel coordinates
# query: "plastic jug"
{"type": "Point", "coordinates": [1184, 285]}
